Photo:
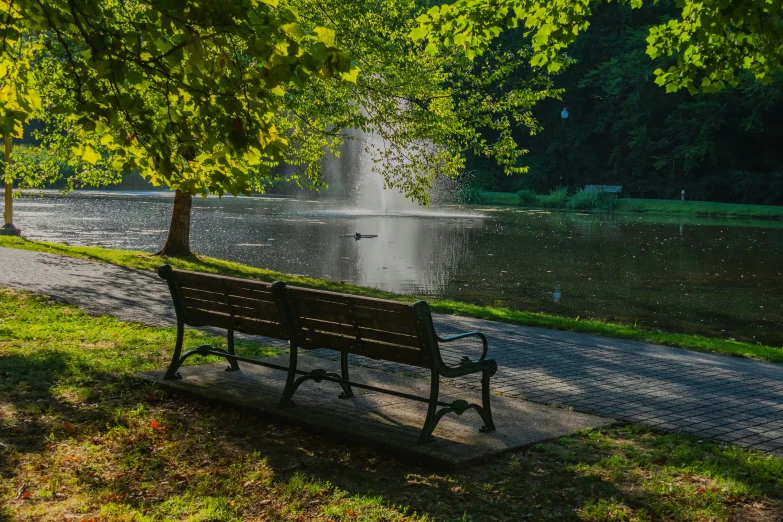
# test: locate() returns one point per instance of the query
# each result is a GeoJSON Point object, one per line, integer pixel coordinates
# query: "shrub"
{"type": "Point", "coordinates": [557, 198]}
{"type": "Point", "coordinates": [592, 199]}
{"type": "Point", "coordinates": [528, 198]}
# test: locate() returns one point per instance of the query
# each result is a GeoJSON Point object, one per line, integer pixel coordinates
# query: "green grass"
{"type": "Point", "coordinates": [499, 198]}
{"type": "Point", "coordinates": [81, 439]}
{"type": "Point", "coordinates": [659, 207]}
{"type": "Point", "coordinates": [146, 261]}
{"type": "Point", "coordinates": [698, 208]}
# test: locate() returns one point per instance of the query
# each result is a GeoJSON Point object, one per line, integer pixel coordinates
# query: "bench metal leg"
{"type": "Point", "coordinates": [486, 411]}
{"type": "Point", "coordinates": [432, 412]}
{"type": "Point", "coordinates": [176, 360]}
{"type": "Point", "coordinates": [347, 392]}
{"type": "Point", "coordinates": [234, 366]}
{"type": "Point", "coordinates": [290, 386]}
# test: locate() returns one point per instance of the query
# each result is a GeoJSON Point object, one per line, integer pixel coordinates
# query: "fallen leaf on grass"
{"type": "Point", "coordinates": [70, 428]}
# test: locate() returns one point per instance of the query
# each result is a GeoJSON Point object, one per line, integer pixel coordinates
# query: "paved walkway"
{"type": "Point", "coordinates": [717, 397]}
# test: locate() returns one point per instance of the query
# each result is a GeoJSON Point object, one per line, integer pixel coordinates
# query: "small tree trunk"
{"type": "Point", "coordinates": [178, 242]}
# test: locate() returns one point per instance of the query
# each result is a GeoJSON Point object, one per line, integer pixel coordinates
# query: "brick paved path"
{"type": "Point", "coordinates": [712, 396]}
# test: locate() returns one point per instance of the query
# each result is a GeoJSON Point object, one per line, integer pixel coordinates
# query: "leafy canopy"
{"type": "Point", "coordinates": [186, 92]}
{"type": "Point", "coordinates": [209, 96]}
{"type": "Point", "coordinates": [427, 109]}
{"type": "Point", "coordinates": [712, 40]}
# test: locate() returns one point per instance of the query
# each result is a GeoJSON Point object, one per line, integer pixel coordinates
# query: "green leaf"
{"type": "Point", "coordinates": [325, 35]}
{"type": "Point", "coordinates": [90, 155]}
{"type": "Point", "coordinates": [352, 75]}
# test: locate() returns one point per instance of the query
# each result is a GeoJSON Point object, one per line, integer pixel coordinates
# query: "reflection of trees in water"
{"type": "Point", "coordinates": [710, 279]}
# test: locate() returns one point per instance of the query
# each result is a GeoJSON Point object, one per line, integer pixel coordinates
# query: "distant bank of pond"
{"type": "Point", "coordinates": [720, 277]}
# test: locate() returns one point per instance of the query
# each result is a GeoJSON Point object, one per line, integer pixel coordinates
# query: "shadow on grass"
{"type": "Point", "coordinates": [79, 438]}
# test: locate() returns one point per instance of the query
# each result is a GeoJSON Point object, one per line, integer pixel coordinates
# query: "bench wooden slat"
{"type": "Point", "coordinates": [262, 328]}
{"type": "Point", "coordinates": [333, 297]}
{"type": "Point", "coordinates": [202, 317]}
{"type": "Point", "coordinates": [364, 333]}
{"type": "Point", "coordinates": [263, 310]}
{"type": "Point", "coordinates": [312, 340]}
{"type": "Point", "coordinates": [201, 293]}
{"type": "Point", "coordinates": [218, 308]}
{"type": "Point", "coordinates": [260, 291]}
{"type": "Point", "coordinates": [217, 284]}
{"type": "Point", "coordinates": [335, 312]}
{"type": "Point", "coordinates": [395, 322]}
{"type": "Point", "coordinates": [403, 324]}
{"type": "Point", "coordinates": [251, 308]}
{"type": "Point", "coordinates": [246, 325]}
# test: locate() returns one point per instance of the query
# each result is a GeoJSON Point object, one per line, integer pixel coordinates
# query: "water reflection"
{"type": "Point", "coordinates": [695, 275]}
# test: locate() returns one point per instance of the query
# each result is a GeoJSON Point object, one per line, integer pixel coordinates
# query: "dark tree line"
{"type": "Point", "coordinates": [623, 129]}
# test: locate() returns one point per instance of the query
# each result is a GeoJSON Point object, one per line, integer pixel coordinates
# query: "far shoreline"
{"type": "Point", "coordinates": [641, 206]}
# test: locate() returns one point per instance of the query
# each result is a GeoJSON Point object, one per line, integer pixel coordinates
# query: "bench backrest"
{"type": "Point", "coordinates": [235, 304]}
{"type": "Point", "coordinates": [374, 328]}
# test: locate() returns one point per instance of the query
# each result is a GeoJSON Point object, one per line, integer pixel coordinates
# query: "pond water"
{"type": "Point", "coordinates": [721, 278]}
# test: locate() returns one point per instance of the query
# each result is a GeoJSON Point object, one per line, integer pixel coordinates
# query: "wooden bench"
{"type": "Point", "coordinates": [314, 319]}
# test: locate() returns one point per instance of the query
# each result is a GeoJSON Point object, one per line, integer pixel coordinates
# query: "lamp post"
{"type": "Point", "coordinates": [9, 229]}
{"type": "Point", "coordinates": [564, 115]}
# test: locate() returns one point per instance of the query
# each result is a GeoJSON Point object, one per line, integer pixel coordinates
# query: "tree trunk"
{"type": "Point", "coordinates": [178, 242]}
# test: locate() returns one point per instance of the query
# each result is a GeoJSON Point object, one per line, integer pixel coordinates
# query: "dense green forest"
{"type": "Point", "coordinates": [623, 129]}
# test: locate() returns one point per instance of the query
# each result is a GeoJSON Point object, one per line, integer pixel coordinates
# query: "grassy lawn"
{"type": "Point", "coordinates": [146, 261]}
{"type": "Point", "coordinates": [662, 207]}
{"type": "Point", "coordinates": [80, 439]}
{"type": "Point", "coordinates": [698, 208]}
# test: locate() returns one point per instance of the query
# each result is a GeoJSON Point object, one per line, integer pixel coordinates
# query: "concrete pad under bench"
{"type": "Point", "coordinates": [377, 419]}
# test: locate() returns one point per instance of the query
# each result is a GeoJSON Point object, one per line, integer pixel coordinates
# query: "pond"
{"type": "Point", "coordinates": [719, 278]}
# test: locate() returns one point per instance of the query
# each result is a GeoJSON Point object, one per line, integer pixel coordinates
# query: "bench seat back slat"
{"type": "Point", "coordinates": [240, 305]}
{"type": "Point", "coordinates": [370, 327]}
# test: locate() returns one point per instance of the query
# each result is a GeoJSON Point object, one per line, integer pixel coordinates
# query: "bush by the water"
{"type": "Point", "coordinates": [582, 199]}
{"type": "Point", "coordinates": [557, 198]}
{"type": "Point", "coordinates": [528, 198]}
{"type": "Point", "coordinates": [592, 199]}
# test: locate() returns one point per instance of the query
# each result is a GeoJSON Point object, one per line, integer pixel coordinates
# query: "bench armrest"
{"type": "Point", "coordinates": [469, 334]}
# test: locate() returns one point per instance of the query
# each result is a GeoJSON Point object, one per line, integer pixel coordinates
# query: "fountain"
{"type": "Point", "coordinates": [355, 177]}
